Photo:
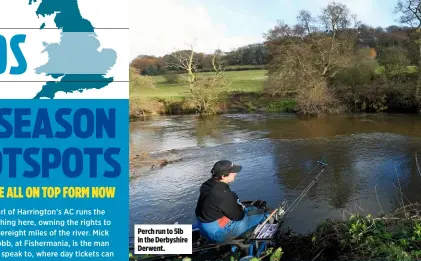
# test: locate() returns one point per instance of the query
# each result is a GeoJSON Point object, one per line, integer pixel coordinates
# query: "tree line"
{"type": "Point", "coordinates": [334, 63]}
{"type": "Point", "coordinates": [247, 57]}
{"type": "Point", "coordinates": [396, 39]}
{"type": "Point", "coordinates": [328, 63]}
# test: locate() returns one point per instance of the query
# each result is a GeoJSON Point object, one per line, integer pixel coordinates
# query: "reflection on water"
{"type": "Point", "coordinates": [368, 157]}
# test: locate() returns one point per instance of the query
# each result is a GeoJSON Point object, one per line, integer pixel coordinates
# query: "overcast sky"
{"type": "Point", "coordinates": [162, 26]}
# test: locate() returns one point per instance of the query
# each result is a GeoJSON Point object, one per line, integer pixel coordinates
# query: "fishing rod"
{"type": "Point", "coordinates": [295, 202]}
{"type": "Point", "coordinates": [289, 210]}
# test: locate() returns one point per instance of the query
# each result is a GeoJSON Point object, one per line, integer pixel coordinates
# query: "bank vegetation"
{"type": "Point", "coordinates": [322, 64]}
{"type": "Point", "coordinates": [333, 63]}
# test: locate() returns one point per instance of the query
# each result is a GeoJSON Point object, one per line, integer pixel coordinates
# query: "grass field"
{"type": "Point", "coordinates": [243, 81]}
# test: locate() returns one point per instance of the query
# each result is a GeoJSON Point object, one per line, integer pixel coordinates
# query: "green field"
{"type": "Point", "coordinates": [242, 81]}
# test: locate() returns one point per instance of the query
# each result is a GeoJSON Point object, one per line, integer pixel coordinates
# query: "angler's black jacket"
{"type": "Point", "coordinates": [216, 201]}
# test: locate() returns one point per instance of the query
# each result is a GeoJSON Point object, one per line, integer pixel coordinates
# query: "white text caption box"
{"type": "Point", "coordinates": [163, 239]}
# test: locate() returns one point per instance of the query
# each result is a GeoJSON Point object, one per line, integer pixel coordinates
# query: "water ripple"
{"type": "Point", "coordinates": [367, 161]}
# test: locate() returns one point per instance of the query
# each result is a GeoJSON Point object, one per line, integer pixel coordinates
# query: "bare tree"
{"type": "Point", "coordinates": [334, 17]}
{"type": "Point", "coordinates": [306, 57]}
{"type": "Point", "coordinates": [306, 21]}
{"type": "Point", "coordinates": [206, 92]}
{"type": "Point", "coordinates": [185, 61]}
{"type": "Point", "coordinates": [410, 11]}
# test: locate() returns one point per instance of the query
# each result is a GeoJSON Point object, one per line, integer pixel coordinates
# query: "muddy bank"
{"type": "Point", "coordinates": [144, 161]}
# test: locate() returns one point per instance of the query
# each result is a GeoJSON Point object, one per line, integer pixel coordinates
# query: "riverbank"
{"type": "Point", "coordinates": [235, 102]}
{"type": "Point", "coordinates": [246, 93]}
{"type": "Point", "coordinates": [172, 96]}
{"type": "Point", "coordinates": [395, 236]}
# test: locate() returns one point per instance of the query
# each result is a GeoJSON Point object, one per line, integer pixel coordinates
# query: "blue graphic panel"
{"type": "Point", "coordinates": [64, 179]}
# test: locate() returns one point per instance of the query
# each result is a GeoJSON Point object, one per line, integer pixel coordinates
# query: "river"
{"type": "Point", "coordinates": [370, 159]}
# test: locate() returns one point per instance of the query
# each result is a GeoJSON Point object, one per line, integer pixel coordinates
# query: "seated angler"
{"type": "Point", "coordinates": [221, 215]}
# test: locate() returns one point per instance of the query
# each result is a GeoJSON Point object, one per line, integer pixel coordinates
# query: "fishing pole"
{"type": "Point", "coordinates": [299, 198]}
{"type": "Point", "coordinates": [309, 174]}
{"type": "Point", "coordinates": [289, 209]}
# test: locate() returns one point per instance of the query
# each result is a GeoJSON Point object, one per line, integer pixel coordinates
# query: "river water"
{"type": "Point", "coordinates": [371, 159]}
